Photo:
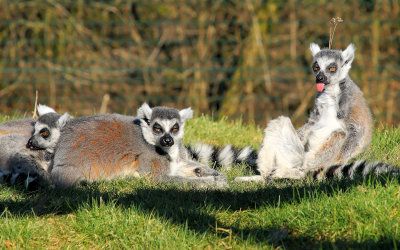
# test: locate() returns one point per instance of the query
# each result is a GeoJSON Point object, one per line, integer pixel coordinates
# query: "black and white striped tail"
{"type": "Point", "coordinates": [224, 157]}
{"type": "Point", "coordinates": [359, 169]}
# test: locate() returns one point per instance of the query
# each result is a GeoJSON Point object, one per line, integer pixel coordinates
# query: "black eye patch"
{"type": "Point", "coordinates": [44, 132]}
{"type": "Point", "coordinates": [315, 67]}
{"type": "Point", "coordinates": [157, 128]}
{"type": "Point", "coordinates": [332, 68]}
{"type": "Point", "coordinates": [175, 128]}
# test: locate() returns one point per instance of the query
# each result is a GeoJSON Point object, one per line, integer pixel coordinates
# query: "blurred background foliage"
{"type": "Point", "coordinates": [241, 59]}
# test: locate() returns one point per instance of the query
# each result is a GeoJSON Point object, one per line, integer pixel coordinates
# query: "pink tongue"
{"type": "Point", "coordinates": [320, 87]}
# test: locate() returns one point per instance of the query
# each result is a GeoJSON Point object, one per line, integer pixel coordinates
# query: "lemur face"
{"type": "Point", "coordinates": [166, 132]}
{"type": "Point", "coordinates": [47, 129]}
{"type": "Point", "coordinates": [162, 126]}
{"type": "Point", "coordinates": [330, 66]}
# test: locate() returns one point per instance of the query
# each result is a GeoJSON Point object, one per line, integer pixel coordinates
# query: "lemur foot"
{"type": "Point", "coordinates": [254, 178]}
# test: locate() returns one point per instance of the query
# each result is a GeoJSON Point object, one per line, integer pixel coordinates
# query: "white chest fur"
{"type": "Point", "coordinates": [327, 123]}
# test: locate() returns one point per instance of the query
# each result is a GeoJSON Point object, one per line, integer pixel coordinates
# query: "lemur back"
{"type": "Point", "coordinates": [353, 109]}
{"type": "Point", "coordinates": [103, 147]}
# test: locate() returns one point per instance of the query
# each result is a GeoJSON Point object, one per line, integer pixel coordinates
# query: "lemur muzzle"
{"type": "Point", "coordinates": [166, 141]}
{"type": "Point", "coordinates": [320, 81]}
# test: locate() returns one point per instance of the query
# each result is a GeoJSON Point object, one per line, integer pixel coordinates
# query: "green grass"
{"type": "Point", "coordinates": [137, 213]}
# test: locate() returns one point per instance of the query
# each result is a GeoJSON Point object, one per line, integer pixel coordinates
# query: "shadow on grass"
{"type": "Point", "coordinates": [281, 237]}
{"type": "Point", "coordinates": [189, 207]}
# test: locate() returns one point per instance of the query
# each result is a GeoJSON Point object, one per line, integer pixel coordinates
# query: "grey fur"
{"type": "Point", "coordinates": [15, 158]}
{"type": "Point", "coordinates": [165, 113]}
{"type": "Point", "coordinates": [336, 54]}
{"type": "Point", "coordinates": [51, 119]}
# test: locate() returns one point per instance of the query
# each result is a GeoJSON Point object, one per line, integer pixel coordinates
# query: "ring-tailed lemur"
{"type": "Point", "coordinates": [338, 129]}
{"type": "Point", "coordinates": [47, 129]}
{"type": "Point", "coordinates": [108, 146]}
{"type": "Point", "coordinates": [19, 162]}
{"type": "Point", "coordinates": [216, 157]}
{"type": "Point", "coordinates": [15, 159]}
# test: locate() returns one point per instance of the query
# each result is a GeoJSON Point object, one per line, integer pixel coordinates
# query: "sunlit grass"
{"type": "Point", "coordinates": [136, 213]}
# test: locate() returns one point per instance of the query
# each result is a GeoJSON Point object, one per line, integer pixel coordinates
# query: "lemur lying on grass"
{"type": "Point", "coordinates": [338, 129]}
{"type": "Point", "coordinates": [156, 131]}
{"type": "Point", "coordinates": [108, 146]}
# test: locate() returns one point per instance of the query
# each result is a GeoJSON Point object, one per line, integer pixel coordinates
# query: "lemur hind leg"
{"type": "Point", "coordinates": [281, 154]}
{"type": "Point", "coordinates": [326, 154]}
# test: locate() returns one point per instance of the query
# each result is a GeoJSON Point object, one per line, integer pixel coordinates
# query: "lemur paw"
{"type": "Point", "coordinates": [340, 115]}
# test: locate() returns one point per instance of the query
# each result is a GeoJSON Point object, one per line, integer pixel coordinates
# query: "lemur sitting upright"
{"type": "Point", "coordinates": [338, 129]}
{"type": "Point", "coordinates": [108, 146]}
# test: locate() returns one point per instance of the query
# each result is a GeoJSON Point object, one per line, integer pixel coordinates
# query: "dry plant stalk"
{"type": "Point", "coordinates": [332, 27]}
{"type": "Point", "coordinates": [104, 104]}
{"type": "Point", "coordinates": [34, 116]}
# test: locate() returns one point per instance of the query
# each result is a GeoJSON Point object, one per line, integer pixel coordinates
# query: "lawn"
{"type": "Point", "coordinates": [137, 213]}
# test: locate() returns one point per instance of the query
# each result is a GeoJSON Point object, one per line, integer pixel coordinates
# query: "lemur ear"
{"type": "Point", "coordinates": [63, 120]}
{"type": "Point", "coordinates": [348, 54]}
{"type": "Point", "coordinates": [144, 112]}
{"type": "Point", "coordinates": [186, 114]}
{"type": "Point", "coordinates": [43, 109]}
{"type": "Point", "coordinates": [314, 49]}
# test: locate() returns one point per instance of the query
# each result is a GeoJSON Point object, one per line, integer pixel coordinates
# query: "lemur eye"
{"type": "Point", "coordinates": [316, 67]}
{"type": "Point", "coordinates": [175, 128]}
{"type": "Point", "coordinates": [157, 129]}
{"type": "Point", "coordinates": [45, 133]}
{"type": "Point", "coordinates": [332, 69]}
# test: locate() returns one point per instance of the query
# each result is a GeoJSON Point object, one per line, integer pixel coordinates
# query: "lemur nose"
{"type": "Point", "coordinates": [29, 144]}
{"type": "Point", "coordinates": [167, 141]}
{"type": "Point", "coordinates": [320, 78]}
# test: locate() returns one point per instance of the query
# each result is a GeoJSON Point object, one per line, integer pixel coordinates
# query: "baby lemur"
{"type": "Point", "coordinates": [338, 129]}
{"type": "Point", "coordinates": [108, 146]}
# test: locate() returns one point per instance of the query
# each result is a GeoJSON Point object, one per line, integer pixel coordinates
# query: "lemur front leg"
{"type": "Point", "coordinates": [305, 131]}
{"type": "Point", "coordinates": [345, 102]}
{"type": "Point", "coordinates": [355, 131]}
{"type": "Point", "coordinates": [353, 144]}
{"type": "Point", "coordinates": [326, 153]}
{"type": "Point", "coordinates": [195, 174]}
{"type": "Point", "coordinates": [281, 153]}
